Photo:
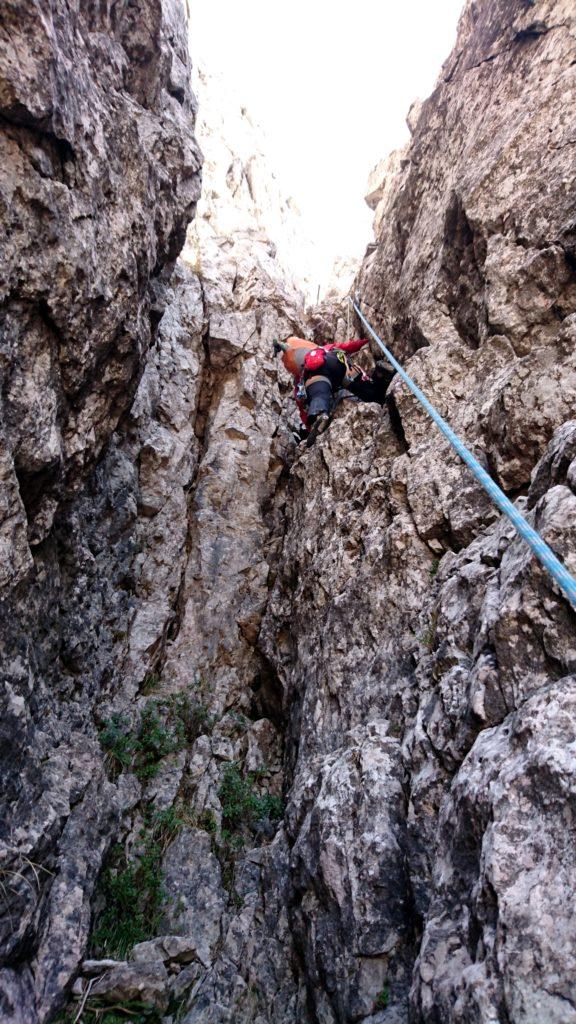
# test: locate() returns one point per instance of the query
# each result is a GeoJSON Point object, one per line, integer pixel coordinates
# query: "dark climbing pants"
{"type": "Point", "coordinates": [319, 395]}
{"type": "Point", "coordinates": [374, 389]}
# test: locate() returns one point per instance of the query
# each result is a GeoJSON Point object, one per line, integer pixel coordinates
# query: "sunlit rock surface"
{"type": "Point", "coordinates": [426, 658]}
{"type": "Point", "coordinates": [244, 204]}
{"type": "Point", "coordinates": [325, 695]}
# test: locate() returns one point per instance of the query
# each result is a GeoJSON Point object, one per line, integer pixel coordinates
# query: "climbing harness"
{"type": "Point", "coordinates": [543, 553]}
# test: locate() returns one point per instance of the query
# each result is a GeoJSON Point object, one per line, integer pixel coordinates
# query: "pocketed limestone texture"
{"type": "Point", "coordinates": [99, 175]}
{"type": "Point", "coordinates": [327, 694]}
{"type": "Point", "coordinates": [425, 656]}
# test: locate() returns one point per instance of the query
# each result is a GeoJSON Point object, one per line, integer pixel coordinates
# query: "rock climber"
{"type": "Point", "coordinates": [318, 371]}
{"type": "Point", "coordinates": [374, 388]}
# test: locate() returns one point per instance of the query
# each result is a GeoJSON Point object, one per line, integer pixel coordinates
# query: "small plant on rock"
{"type": "Point", "coordinates": [382, 999]}
{"type": "Point", "coordinates": [158, 737]}
{"type": "Point", "coordinates": [237, 721]}
{"type": "Point", "coordinates": [207, 821]}
{"type": "Point", "coordinates": [242, 807]}
{"type": "Point", "coordinates": [166, 824]}
{"type": "Point", "coordinates": [133, 895]}
{"type": "Point", "coordinates": [241, 804]}
{"type": "Point", "coordinates": [191, 718]}
{"type": "Point", "coordinates": [133, 891]}
{"type": "Point", "coordinates": [118, 742]}
{"type": "Point", "coordinates": [166, 725]}
{"type": "Point", "coordinates": [428, 638]}
{"type": "Point", "coordinates": [434, 568]}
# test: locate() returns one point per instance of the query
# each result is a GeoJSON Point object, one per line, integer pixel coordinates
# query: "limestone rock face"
{"type": "Point", "coordinates": [474, 255]}
{"type": "Point", "coordinates": [310, 712]}
{"type": "Point", "coordinates": [426, 658]}
{"type": "Point", "coordinates": [244, 200]}
{"type": "Point", "coordinates": [150, 588]}
{"type": "Point", "coordinates": [137, 552]}
{"type": "Point", "coordinates": [399, 676]}
{"type": "Point", "coordinates": [499, 908]}
{"type": "Point", "coordinates": [100, 173]}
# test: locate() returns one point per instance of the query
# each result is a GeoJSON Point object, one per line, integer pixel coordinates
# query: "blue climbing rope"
{"type": "Point", "coordinates": [543, 553]}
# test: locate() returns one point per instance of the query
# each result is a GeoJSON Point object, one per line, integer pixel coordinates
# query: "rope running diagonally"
{"type": "Point", "coordinates": [543, 553]}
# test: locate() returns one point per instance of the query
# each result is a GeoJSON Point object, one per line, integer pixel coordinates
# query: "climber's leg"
{"type": "Point", "coordinates": [342, 394]}
{"type": "Point", "coordinates": [319, 393]}
{"type": "Point", "coordinates": [321, 422]}
{"type": "Point", "coordinates": [300, 433]}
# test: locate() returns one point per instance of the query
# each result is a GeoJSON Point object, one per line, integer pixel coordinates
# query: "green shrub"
{"type": "Point", "coordinates": [166, 824]}
{"type": "Point", "coordinates": [133, 895]}
{"type": "Point", "coordinates": [434, 568]}
{"type": "Point", "coordinates": [241, 804]}
{"type": "Point", "coordinates": [166, 725]}
{"type": "Point", "coordinates": [242, 807]}
{"type": "Point", "coordinates": [158, 736]}
{"type": "Point", "coordinates": [207, 821]}
{"type": "Point", "coordinates": [237, 721]}
{"type": "Point", "coordinates": [118, 741]}
{"type": "Point", "coordinates": [382, 999]}
{"type": "Point", "coordinates": [192, 719]}
{"type": "Point", "coordinates": [133, 891]}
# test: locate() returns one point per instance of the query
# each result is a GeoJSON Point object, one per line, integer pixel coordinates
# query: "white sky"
{"type": "Point", "coordinates": [331, 85]}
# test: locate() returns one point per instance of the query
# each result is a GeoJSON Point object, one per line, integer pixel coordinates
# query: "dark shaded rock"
{"type": "Point", "coordinates": [100, 174]}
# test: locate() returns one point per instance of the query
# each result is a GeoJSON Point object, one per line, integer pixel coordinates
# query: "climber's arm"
{"type": "Point", "coordinates": [354, 345]}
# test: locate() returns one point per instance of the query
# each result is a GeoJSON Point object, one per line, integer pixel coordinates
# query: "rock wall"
{"type": "Point", "coordinates": [286, 735]}
{"type": "Point", "coordinates": [426, 659]}
{"type": "Point", "coordinates": [100, 174]}
{"type": "Point", "coordinates": [136, 539]}
{"type": "Point", "coordinates": [422, 869]}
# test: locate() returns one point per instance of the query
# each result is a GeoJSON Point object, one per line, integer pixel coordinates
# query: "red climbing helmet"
{"type": "Point", "coordinates": [315, 359]}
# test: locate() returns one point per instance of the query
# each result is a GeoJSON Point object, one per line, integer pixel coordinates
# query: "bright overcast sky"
{"type": "Point", "coordinates": [331, 86]}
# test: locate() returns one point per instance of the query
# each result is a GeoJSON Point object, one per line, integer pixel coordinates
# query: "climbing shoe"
{"type": "Point", "coordinates": [300, 435]}
{"type": "Point", "coordinates": [320, 424]}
